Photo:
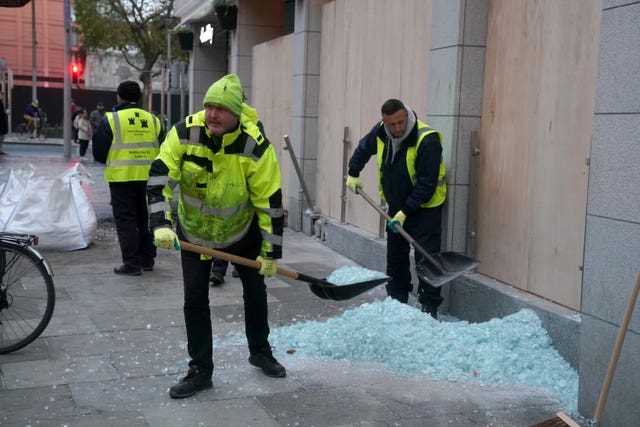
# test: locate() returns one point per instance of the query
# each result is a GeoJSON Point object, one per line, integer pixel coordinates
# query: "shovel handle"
{"type": "Point", "coordinates": [397, 227]}
{"type": "Point", "coordinates": [233, 258]}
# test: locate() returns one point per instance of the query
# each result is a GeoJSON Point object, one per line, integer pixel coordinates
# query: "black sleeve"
{"type": "Point", "coordinates": [102, 141]}
{"type": "Point", "coordinates": [366, 148]}
{"type": "Point", "coordinates": [155, 195]}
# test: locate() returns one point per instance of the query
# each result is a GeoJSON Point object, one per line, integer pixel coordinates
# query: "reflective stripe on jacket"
{"type": "Point", "coordinates": [134, 146]}
{"type": "Point", "coordinates": [222, 186]}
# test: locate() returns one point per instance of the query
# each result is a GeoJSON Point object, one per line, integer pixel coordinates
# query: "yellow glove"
{"type": "Point", "coordinates": [399, 219]}
{"type": "Point", "coordinates": [353, 183]}
{"type": "Point", "coordinates": [165, 238]}
{"type": "Point", "coordinates": [268, 266]}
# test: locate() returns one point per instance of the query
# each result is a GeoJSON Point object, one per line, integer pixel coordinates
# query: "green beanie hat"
{"type": "Point", "coordinates": [227, 93]}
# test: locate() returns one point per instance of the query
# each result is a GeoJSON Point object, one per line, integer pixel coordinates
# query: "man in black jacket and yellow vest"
{"type": "Point", "coordinates": [229, 199]}
{"type": "Point", "coordinates": [127, 140]}
{"type": "Point", "coordinates": [411, 172]}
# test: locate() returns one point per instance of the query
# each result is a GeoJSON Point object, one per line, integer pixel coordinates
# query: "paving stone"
{"type": "Point", "coordinates": [65, 324]}
{"type": "Point", "coordinates": [139, 318]}
{"type": "Point", "coordinates": [48, 372]}
{"type": "Point", "coordinates": [33, 405]}
{"type": "Point", "coordinates": [337, 407]}
{"type": "Point", "coordinates": [126, 394]}
{"type": "Point", "coordinates": [121, 418]}
{"type": "Point", "coordinates": [237, 412]}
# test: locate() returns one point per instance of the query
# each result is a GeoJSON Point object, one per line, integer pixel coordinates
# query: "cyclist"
{"type": "Point", "coordinates": [31, 116]}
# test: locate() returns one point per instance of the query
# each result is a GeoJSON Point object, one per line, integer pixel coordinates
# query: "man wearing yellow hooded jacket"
{"type": "Point", "coordinates": [229, 199]}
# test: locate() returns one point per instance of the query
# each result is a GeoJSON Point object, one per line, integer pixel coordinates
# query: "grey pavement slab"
{"type": "Point", "coordinates": [116, 344]}
{"type": "Point", "coordinates": [19, 375]}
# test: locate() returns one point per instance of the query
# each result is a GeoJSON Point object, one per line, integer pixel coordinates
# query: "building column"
{"type": "Point", "coordinates": [304, 108]}
{"type": "Point", "coordinates": [454, 104]}
{"type": "Point", "coordinates": [207, 63]}
{"type": "Point", "coordinates": [258, 22]}
{"type": "Point", "coordinates": [612, 229]}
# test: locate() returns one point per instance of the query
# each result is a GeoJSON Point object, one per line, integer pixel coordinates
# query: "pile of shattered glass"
{"type": "Point", "coordinates": [513, 350]}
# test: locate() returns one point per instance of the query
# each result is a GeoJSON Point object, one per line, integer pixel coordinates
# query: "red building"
{"type": "Point", "coordinates": [17, 30]}
{"type": "Point", "coordinates": [16, 42]}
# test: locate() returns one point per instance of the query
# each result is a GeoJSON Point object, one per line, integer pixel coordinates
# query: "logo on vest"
{"type": "Point", "coordinates": [144, 123]}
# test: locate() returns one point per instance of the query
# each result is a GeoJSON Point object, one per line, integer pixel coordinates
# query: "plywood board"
{"type": "Point", "coordinates": [271, 96]}
{"type": "Point", "coordinates": [363, 65]}
{"type": "Point", "coordinates": [540, 69]}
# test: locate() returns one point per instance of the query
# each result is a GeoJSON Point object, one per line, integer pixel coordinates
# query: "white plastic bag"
{"type": "Point", "coordinates": [56, 209]}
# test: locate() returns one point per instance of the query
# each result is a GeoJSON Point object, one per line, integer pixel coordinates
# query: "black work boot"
{"type": "Point", "coordinates": [195, 381]}
{"type": "Point", "coordinates": [216, 278]}
{"type": "Point", "coordinates": [264, 360]}
{"type": "Point", "coordinates": [128, 270]}
{"type": "Point", "coordinates": [431, 309]}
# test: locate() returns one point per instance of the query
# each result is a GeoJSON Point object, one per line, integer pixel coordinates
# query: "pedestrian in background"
{"type": "Point", "coordinates": [127, 141]}
{"type": "Point", "coordinates": [230, 198]}
{"type": "Point", "coordinates": [219, 269]}
{"type": "Point", "coordinates": [411, 172]}
{"type": "Point", "coordinates": [31, 116]}
{"type": "Point", "coordinates": [85, 132]}
{"type": "Point", "coordinates": [96, 116]}
{"type": "Point", "coordinates": [4, 126]}
{"type": "Point", "coordinates": [75, 110]}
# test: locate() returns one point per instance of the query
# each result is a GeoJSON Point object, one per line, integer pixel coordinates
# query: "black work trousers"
{"type": "Point", "coordinates": [197, 314]}
{"type": "Point", "coordinates": [131, 216]}
{"type": "Point", "coordinates": [426, 229]}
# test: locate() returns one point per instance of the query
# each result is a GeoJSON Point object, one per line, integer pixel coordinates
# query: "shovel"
{"type": "Point", "coordinates": [437, 269]}
{"type": "Point", "coordinates": [319, 287]}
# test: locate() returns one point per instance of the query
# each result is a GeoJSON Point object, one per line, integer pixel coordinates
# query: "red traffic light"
{"type": "Point", "coordinates": [75, 73]}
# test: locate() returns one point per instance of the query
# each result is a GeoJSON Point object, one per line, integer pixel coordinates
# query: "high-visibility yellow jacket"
{"type": "Point", "coordinates": [222, 186]}
{"type": "Point", "coordinates": [423, 130]}
{"type": "Point", "coordinates": [135, 144]}
{"type": "Point", "coordinates": [415, 177]}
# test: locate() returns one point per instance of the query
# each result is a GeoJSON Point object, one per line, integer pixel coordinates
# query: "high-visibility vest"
{"type": "Point", "coordinates": [134, 146]}
{"type": "Point", "coordinates": [441, 190]}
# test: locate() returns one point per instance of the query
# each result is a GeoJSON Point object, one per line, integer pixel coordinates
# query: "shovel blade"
{"type": "Point", "coordinates": [330, 291]}
{"type": "Point", "coordinates": [448, 266]}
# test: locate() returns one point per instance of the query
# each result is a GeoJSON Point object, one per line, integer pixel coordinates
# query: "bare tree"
{"type": "Point", "coordinates": [135, 28]}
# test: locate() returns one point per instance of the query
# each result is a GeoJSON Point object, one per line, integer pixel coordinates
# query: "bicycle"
{"type": "Point", "coordinates": [27, 293]}
{"type": "Point", "coordinates": [23, 134]}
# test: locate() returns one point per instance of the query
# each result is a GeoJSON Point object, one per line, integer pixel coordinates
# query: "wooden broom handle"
{"type": "Point", "coordinates": [617, 348]}
{"type": "Point", "coordinates": [233, 258]}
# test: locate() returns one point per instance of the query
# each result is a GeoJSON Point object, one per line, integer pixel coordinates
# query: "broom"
{"type": "Point", "coordinates": [561, 419]}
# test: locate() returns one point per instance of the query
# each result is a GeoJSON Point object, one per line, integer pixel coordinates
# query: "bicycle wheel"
{"type": "Point", "coordinates": [27, 295]}
{"type": "Point", "coordinates": [21, 132]}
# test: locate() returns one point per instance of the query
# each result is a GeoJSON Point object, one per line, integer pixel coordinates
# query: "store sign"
{"type": "Point", "coordinates": [206, 34]}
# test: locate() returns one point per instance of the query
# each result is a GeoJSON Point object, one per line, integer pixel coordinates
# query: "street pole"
{"type": "Point", "coordinates": [34, 69]}
{"type": "Point", "coordinates": [66, 92]}
{"type": "Point", "coordinates": [162, 92]}
{"type": "Point", "coordinates": [169, 78]}
{"type": "Point", "coordinates": [182, 85]}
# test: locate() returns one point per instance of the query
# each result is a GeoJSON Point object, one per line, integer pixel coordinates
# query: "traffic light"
{"type": "Point", "coordinates": [75, 73]}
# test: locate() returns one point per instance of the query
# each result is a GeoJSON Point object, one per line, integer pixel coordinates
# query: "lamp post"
{"type": "Point", "coordinates": [66, 91]}
{"type": "Point", "coordinates": [168, 66]}
{"type": "Point", "coordinates": [34, 69]}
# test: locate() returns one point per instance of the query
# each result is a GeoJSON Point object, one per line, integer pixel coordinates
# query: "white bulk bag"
{"type": "Point", "coordinates": [56, 209]}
